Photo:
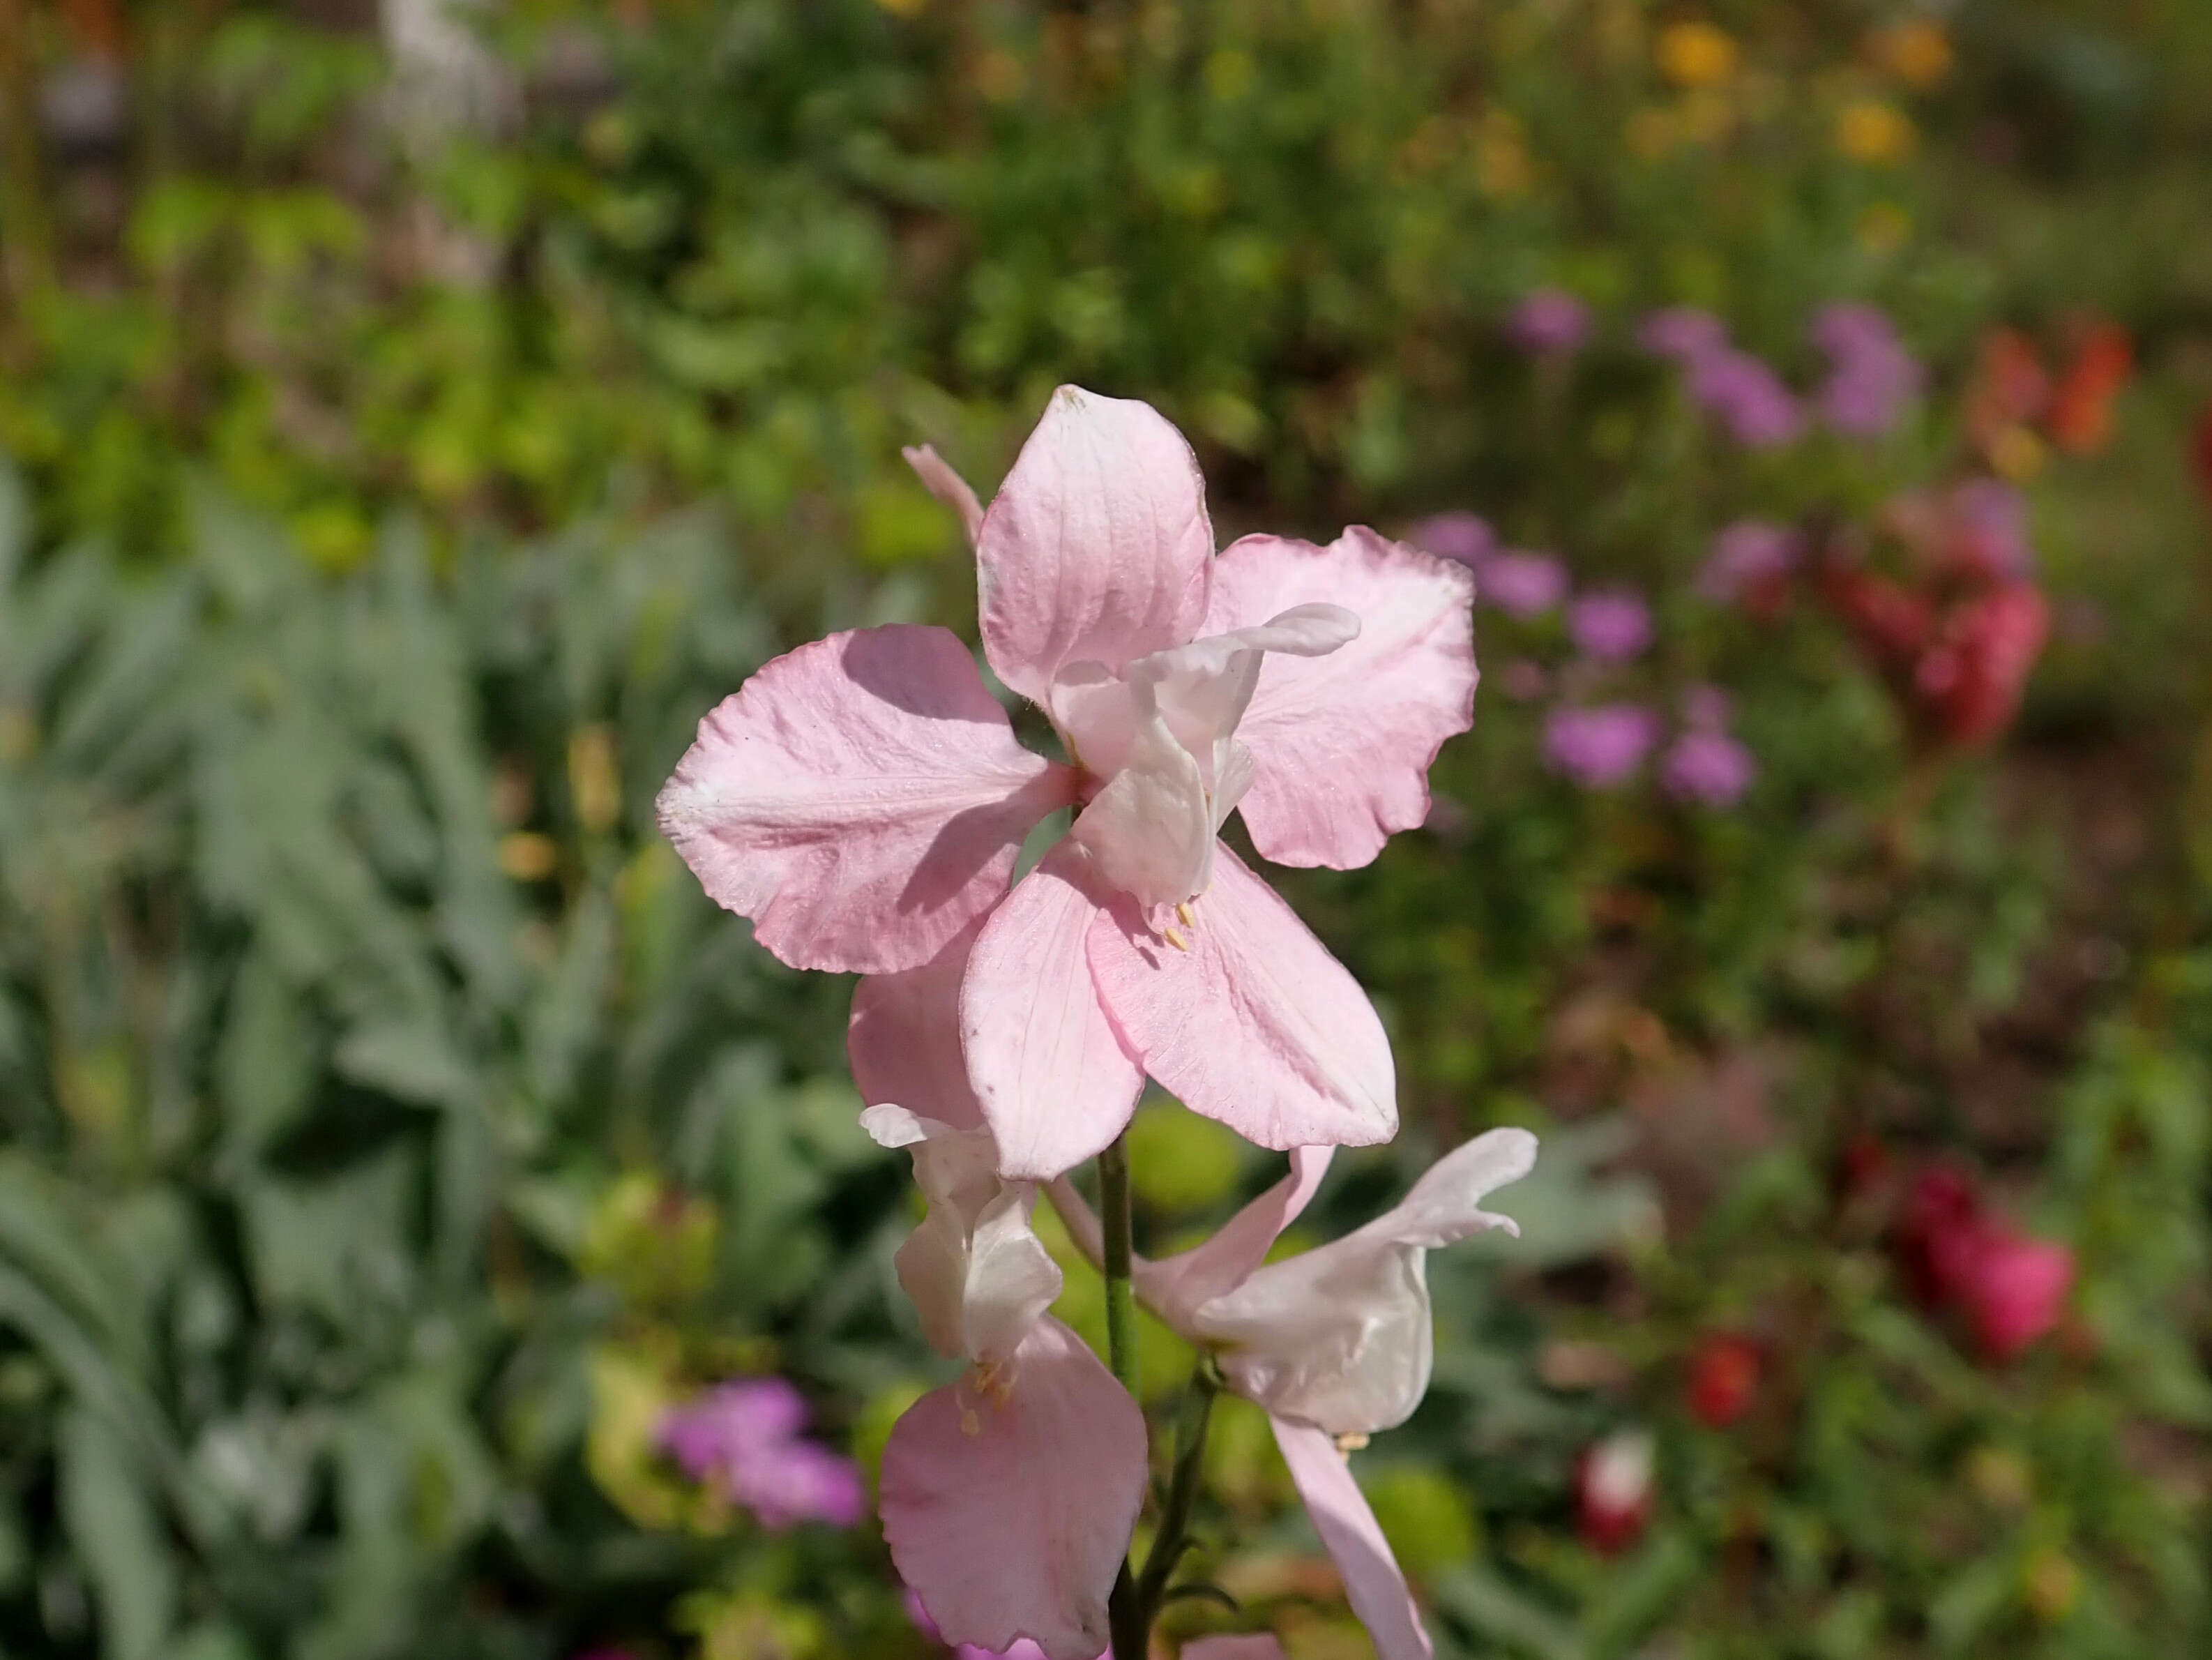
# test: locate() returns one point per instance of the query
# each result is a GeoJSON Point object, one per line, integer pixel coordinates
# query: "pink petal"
{"type": "Point", "coordinates": [1341, 745]}
{"type": "Point", "coordinates": [904, 1040]}
{"type": "Point", "coordinates": [1255, 1023]}
{"type": "Point", "coordinates": [1372, 1581]}
{"type": "Point", "coordinates": [860, 798]}
{"type": "Point", "coordinates": [1177, 1286]}
{"type": "Point", "coordinates": [1055, 1081]}
{"type": "Point", "coordinates": [1097, 545]}
{"type": "Point", "coordinates": [1008, 1512]}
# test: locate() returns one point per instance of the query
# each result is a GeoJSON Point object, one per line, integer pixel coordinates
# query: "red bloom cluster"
{"type": "Point", "coordinates": [2008, 1287]}
{"type": "Point", "coordinates": [1724, 1378]}
{"type": "Point", "coordinates": [1958, 637]}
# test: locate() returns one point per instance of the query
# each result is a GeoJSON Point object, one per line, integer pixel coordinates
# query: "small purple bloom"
{"type": "Point", "coordinates": [1748, 397]}
{"type": "Point", "coordinates": [1521, 584]}
{"type": "Point", "coordinates": [1745, 554]}
{"type": "Point", "coordinates": [743, 1437]}
{"type": "Point", "coordinates": [1710, 767]}
{"type": "Point", "coordinates": [1683, 333]}
{"type": "Point", "coordinates": [1706, 708]}
{"type": "Point", "coordinates": [1549, 320]}
{"type": "Point", "coordinates": [1611, 624]}
{"type": "Point", "coordinates": [1522, 680]}
{"type": "Point", "coordinates": [1602, 745]}
{"type": "Point", "coordinates": [1991, 516]}
{"type": "Point", "coordinates": [1465, 537]}
{"type": "Point", "coordinates": [1871, 379]}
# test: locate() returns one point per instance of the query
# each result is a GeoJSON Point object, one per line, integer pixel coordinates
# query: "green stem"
{"type": "Point", "coordinates": [1173, 1538]}
{"type": "Point", "coordinates": [1125, 1618]}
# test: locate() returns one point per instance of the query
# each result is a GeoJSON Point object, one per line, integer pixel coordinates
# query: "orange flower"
{"type": "Point", "coordinates": [2081, 414]}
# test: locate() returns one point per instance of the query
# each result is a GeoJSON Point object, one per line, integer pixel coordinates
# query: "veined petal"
{"type": "Point", "coordinates": [861, 798]}
{"type": "Point", "coordinates": [1373, 1582]}
{"type": "Point", "coordinates": [1096, 546]}
{"type": "Point", "coordinates": [1008, 1497]}
{"type": "Point", "coordinates": [1341, 744]}
{"type": "Point", "coordinates": [1203, 688]}
{"type": "Point", "coordinates": [1054, 1079]}
{"type": "Point", "coordinates": [1341, 1336]}
{"type": "Point", "coordinates": [1251, 1021]}
{"type": "Point", "coordinates": [903, 1040]}
{"type": "Point", "coordinates": [1176, 1287]}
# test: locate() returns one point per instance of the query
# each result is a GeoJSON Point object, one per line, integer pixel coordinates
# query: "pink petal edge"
{"type": "Point", "coordinates": [1009, 1516]}
{"type": "Point", "coordinates": [903, 1039]}
{"type": "Point", "coordinates": [1373, 1582]}
{"type": "Point", "coordinates": [1176, 1286]}
{"type": "Point", "coordinates": [1341, 745]}
{"type": "Point", "coordinates": [1254, 1024]}
{"type": "Point", "coordinates": [1097, 545]}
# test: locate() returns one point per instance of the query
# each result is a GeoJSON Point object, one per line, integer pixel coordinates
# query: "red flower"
{"type": "Point", "coordinates": [1724, 1373]}
{"type": "Point", "coordinates": [1612, 1491]}
{"type": "Point", "coordinates": [2081, 414]}
{"type": "Point", "coordinates": [1971, 681]}
{"type": "Point", "coordinates": [2009, 1286]}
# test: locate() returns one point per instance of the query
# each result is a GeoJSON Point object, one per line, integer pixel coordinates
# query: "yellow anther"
{"type": "Point", "coordinates": [970, 1425]}
{"type": "Point", "coordinates": [1183, 911]}
{"type": "Point", "coordinates": [1174, 939]}
{"type": "Point", "coordinates": [1352, 1443]}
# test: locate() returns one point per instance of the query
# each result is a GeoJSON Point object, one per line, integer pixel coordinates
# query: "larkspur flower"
{"type": "Point", "coordinates": [1610, 625]}
{"type": "Point", "coordinates": [1336, 1343]}
{"type": "Point", "coordinates": [1009, 1495]}
{"type": "Point", "coordinates": [1549, 321]}
{"type": "Point", "coordinates": [1600, 746]}
{"type": "Point", "coordinates": [862, 799]}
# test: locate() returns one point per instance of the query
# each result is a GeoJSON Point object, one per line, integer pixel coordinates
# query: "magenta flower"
{"type": "Point", "coordinates": [743, 1437]}
{"type": "Point", "coordinates": [1599, 746]}
{"type": "Point", "coordinates": [1708, 767]}
{"type": "Point", "coordinates": [1336, 1343]}
{"type": "Point", "coordinates": [862, 799]}
{"type": "Point", "coordinates": [1747, 397]}
{"type": "Point", "coordinates": [1611, 624]}
{"type": "Point", "coordinates": [1871, 379]}
{"type": "Point", "coordinates": [1521, 584]}
{"type": "Point", "coordinates": [1465, 537]}
{"type": "Point", "coordinates": [1549, 321]}
{"type": "Point", "coordinates": [1748, 555]}
{"type": "Point", "coordinates": [1683, 333]}
{"type": "Point", "coordinates": [1989, 528]}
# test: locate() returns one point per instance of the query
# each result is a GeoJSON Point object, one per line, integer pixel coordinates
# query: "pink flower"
{"type": "Point", "coordinates": [744, 1437]}
{"type": "Point", "coordinates": [1611, 624]}
{"type": "Point", "coordinates": [2010, 1286]}
{"type": "Point", "coordinates": [1008, 1495]}
{"type": "Point", "coordinates": [1748, 558]}
{"type": "Point", "coordinates": [1683, 333]}
{"type": "Point", "coordinates": [1871, 379]}
{"type": "Point", "coordinates": [1521, 584]}
{"type": "Point", "coordinates": [1465, 537]}
{"type": "Point", "coordinates": [1710, 767]}
{"type": "Point", "coordinates": [1548, 321]}
{"type": "Point", "coordinates": [1612, 1491]}
{"type": "Point", "coordinates": [1336, 1343]}
{"type": "Point", "coordinates": [1747, 398]}
{"type": "Point", "coordinates": [862, 799]}
{"type": "Point", "coordinates": [1599, 746]}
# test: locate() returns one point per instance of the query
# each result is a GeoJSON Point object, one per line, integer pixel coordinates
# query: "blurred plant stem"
{"type": "Point", "coordinates": [1124, 1609]}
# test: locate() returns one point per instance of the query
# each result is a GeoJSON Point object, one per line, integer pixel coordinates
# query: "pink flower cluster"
{"type": "Point", "coordinates": [742, 1438]}
{"type": "Point", "coordinates": [1872, 381]}
{"type": "Point", "coordinates": [863, 800]}
{"type": "Point", "coordinates": [2008, 1286]}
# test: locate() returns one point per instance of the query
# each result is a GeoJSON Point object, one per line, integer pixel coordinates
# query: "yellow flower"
{"type": "Point", "coordinates": [1696, 54]}
{"type": "Point", "coordinates": [1917, 51]}
{"type": "Point", "coordinates": [2017, 454]}
{"type": "Point", "coordinates": [1874, 132]}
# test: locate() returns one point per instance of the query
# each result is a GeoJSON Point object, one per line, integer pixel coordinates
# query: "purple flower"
{"type": "Point", "coordinates": [1602, 745]}
{"type": "Point", "coordinates": [743, 1437]}
{"type": "Point", "coordinates": [1748, 397]}
{"type": "Point", "coordinates": [1706, 708]}
{"type": "Point", "coordinates": [1465, 537]}
{"type": "Point", "coordinates": [1710, 767]}
{"type": "Point", "coordinates": [1611, 624]}
{"type": "Point", "coordinates": [1549, 320]}
{"type": "Point", "coordinates": [1522, 680]}
{"type": "Point", "coordinates": [1749, 552]}
{"type": "Point", "coordinates": [1871, 379]}
{"type": "Point", "coordinates": [1521, 584]}
{"type": "Point", "coordinates": [1990, 517]}
{"type": "Point", "coordinates": [1683, 333]}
